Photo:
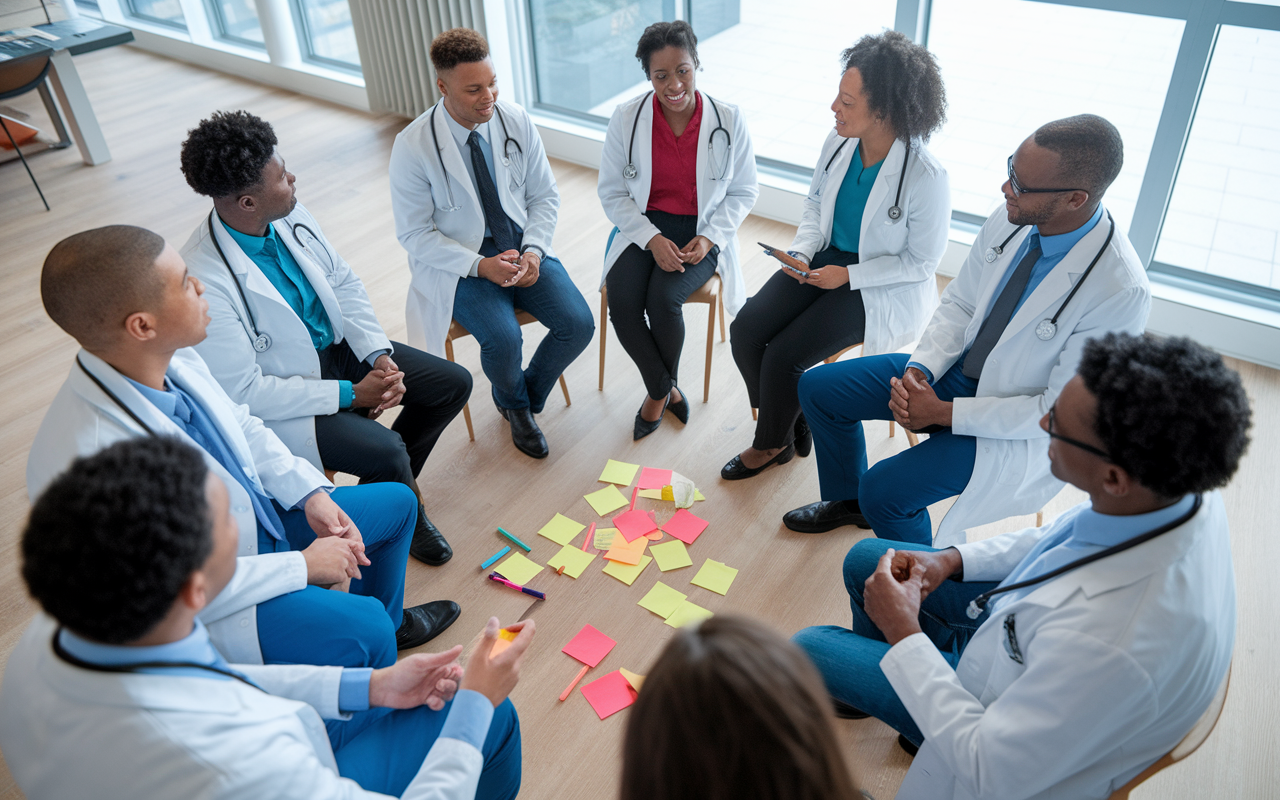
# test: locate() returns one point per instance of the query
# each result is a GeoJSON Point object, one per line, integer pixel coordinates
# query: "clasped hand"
{"type": "Point", "coordinates": [510, 268]}
{"type": "Point", "coordinates": [914, 403]}
{"type": "Point", "coordinates": [337, 554]}
{"type": "Point", "coordinates": [381, 389]}
{"type": "Point", "coordinates": [902, 580]}
{"type": "Point", "coordinates": [671, 258]}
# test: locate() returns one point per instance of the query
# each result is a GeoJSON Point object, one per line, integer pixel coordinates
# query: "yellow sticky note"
{"type": "Point", "coordinates": [671, 555]}
{"type": "Point", "coordinates": [626, 572]}
{"type": "Point", "coordinates": [652, 494]}
{"type": "Point", "coordinates": [510, 636]}
{"type": "Point", "coordinates": [715, 576]}
{"type": "Point", "coordinates": [604, 538]}
{"type": "Point", "coordinates": [697, 495]}
{"type": "Point", "coordinates": [627, 552]}
{"type": "Point", "coordinates": [619, 472]}
{"type": "Point", "coordinates": [606, 500]}
{"type": "Point", "coordinates": [635, 680]}
{"type": "Point", "coordinates": [686, 613]}
{"type": "Point", "coordinates": [505, 638]}
{"type": "Point", "coordinates": [518, 569]}
{"type": "Point", "coordinates": [561, 529]}
{"type": "Point", "coordinates": [572, 559]}
{"type": "Point", "coordinates": [662, 600]}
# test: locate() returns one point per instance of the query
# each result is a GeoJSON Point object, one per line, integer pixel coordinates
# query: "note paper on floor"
{"type": "Point", "coordinates": [715, 576]}
{"type": "Point", "coordinates": [518, 569]}
{"type": "Point", "coordinates": [671, 555]}
{"type": "Point", "coordinates": [634, 523]}
{"type": "Point", "coordinates": [685, 526]}
{"type": "Point", "coordinates": [652, 478]}
{"type": "Point", "coordinates": [561, 529]}
{"type": "Point", "coordinates": [662, 600]}
{"type": "Point", "coordinates": [619, 472]}
{"type": "Point", "coordinates": [606, 500]}
{"type": "Point", "coordinates": [590, 646]}
{"type": "Point", "coordinates": [625, 572]}
{"type": "Point", "coordinates": [687, 613]}
{"type": "Point", "coordinates": [572, 559]}
{"type": "Point", "coordinates": [610, 694]}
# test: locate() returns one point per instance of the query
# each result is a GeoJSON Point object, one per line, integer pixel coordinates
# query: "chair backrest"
{"type": "Point", "coordinates": [22, 74]}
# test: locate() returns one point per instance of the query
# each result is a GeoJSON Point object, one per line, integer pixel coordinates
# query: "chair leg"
{"type": "Point", "coordinates": [564, 387]}
{"type": "Point", "coordinates": [891, 427]}
{"type": "Point", "coordinates": [912, 438]}
{"type": "Point", "coordinates": [754, 416]}
{"type": "Point", "coordinates": [604, 332]}
{"type": "Point", "coordinates": [711, 339]}
{"type": "Point", "coordinates": [23, 158]}
{"type": "Point", "coordinates": [466, 409]}
{"type": "Point", "coordinates": [1040, 518]}
{"type": "Point", "coordinates": [720, 303]}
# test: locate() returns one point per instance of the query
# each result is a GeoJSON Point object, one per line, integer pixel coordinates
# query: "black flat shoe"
{"type": "Point", "coordinates": [429, 545]}
{"type": "Point", "coordinates": [643, 426]}
{"type": "Point", "coordinates": [681, 409]}
{"type": "Point", "coordinates": [735, 470]}
{"type": "Point", "coordinates": [525, 433]}
{"type": "Point", "coordinates": [804, 437]}
{"type": "Point", "coordinates": [423, 623]}
{"type": "Point", "coordinates": [845, 711]}
{"type": "Point", "coordinates": [906, 745]}
{"type": "Point", "coordinates": [823, 516]}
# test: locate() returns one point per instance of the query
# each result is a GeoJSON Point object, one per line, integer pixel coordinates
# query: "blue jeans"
{"type": "Point", "coordinates": [382, 749]}
{"type": "Point", "coordinates": [487, 310]}
{"type": "Point", "coordinates": [319, 626]}
{"type": "Point", "coordinates": [849, 658]}
{"type": "Point", "coordinates": [896, 493]}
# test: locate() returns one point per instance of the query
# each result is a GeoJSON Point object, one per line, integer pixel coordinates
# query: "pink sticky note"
{"type": "Point", "coordinates": [589, 646]}
{"type": "Point", "coordinates": [651, 478]}
{"type": "Point", "coordinates": [634, 523]}
{"type": "Point", "coordinates": [685, 526]}
{"type": "Point", "coordinates": [610, 694]}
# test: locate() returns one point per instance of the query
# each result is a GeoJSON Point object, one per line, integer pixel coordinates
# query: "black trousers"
{"type": "Point", "coordinates": [784, 329]}
{"type": "Point", "coordinates": [639, 288]}
{"type": "Point", "coordinates": [350, 442]}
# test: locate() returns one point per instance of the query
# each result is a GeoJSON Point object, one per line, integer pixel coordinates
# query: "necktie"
{"type": "Point", "coordinates": [497, 220]}
{"type": "Point", "coordinates": [1001, 312]}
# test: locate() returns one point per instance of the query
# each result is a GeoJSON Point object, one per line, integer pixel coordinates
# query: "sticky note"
{"type": "Point", "coordinates": [634, 523]}
{"type": "Point", "coordinates": [610, 694]}
{"type": "Point", "coordinates": [627, 552]}
{"type": "Point", "coordinates": [572, 559]}
{"type": "Point", "coordinates": [619, 472]}
{"type": "Point", "coordinates": [662, 600]}
{"type": "Point", "coordinates": [635, 680]}
{"type": "Point", "coordinates": [505, 638]}
{"type": "Point", "coordinates": [626, 572]}
{"type": "Point", "coordinates": [715, 576]}
{"type": "Point", "coordinates": [604, 538]}
{"type": "Point", "coordinates": [671, 555]}
{"type": "Point", "coordinates": [686, 613]}
{"type": "Point", "coordinates": [652, 478]}
{"type": "Point", "coordinates": [518, 569]}
{"type": "Point", "coordinates": [684, 526]}
{"type": "Point", "coordinates": [589, 646]}
{"type": "Point", "coordinates": [655, 536]}
{"type": "Point", "coordinates": [652, 494]}
{"type": "Point", "coordinates": [697, 495]}
{"type": "Point", "coordinates": [561, 529]}
{"type": "Point", "coordinates": [606, 500]}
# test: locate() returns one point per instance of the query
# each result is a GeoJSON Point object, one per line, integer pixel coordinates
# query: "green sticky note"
{"type": "Point", "coordinates": [662, 600]}
{"type": "Point", "coordinates": [652, 494]}
{"type": "Point", "coordinates": [626, 572]}
{"type": "Point", "coordinates": [686, 613]}
{"type": "Point", "coordinates": [671, 555]}
{"type": "Point", "coordinates": [561, 529]}
{"type": "Point", "coordinates": [697, 495]}
{"type": "Point", "coordinates": [606, 500]}
{"type": "Point", "coordinates": [518, 569]}
{"type": "Point", "coordinates": [619, 472]}
{"type": "Point", "coordinates": [604, 538]}
{"type": "Point", "coordinates": [572, 559]}
{"type": "Point", "coordinates": [715, 576]}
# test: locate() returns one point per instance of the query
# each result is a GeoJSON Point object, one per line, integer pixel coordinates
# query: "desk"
{"type": "Point", "coordinates": [75, 36]}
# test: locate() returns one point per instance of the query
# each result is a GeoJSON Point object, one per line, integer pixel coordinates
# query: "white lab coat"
{"type": "Point", "coordinates": [1023, 375]}
{"type": "Point", "coordinates": [82, 420]}
{"type": "Point", "coordinates": [1121, 657]}
{"type": "Point", "coordinates": [722, 204]}
{"type": "Point", "coordinates": [442, 244]}
{"type": "Point", "coordinates": [896, 258]}
{"type": "Point", "coordinates": [282, 386]}
{"type": "Point", "coordinates": [70, 733]}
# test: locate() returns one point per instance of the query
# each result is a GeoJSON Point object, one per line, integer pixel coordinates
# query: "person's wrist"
{"type": "Point", "coordinates": [954, 564]}
{"type": "Point", "coordinates": [346, 394]}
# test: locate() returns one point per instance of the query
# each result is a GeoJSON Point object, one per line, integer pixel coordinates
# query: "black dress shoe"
{"type": "Point", "coordinates": [681, 409]}
{"type": "Point", "coordinates": [804, 437]}
{"type": "Point", "coordinates": [823, 516]}
{"type": "Point", "coordinates": [525, 433]}
{"type": "Point", "coordinates": [425, 622]}
{"type": "Point", "coordinates": [643, 426]}
{"type": "Point", "coordinates": [845, 711]}
{"type": "Point", "coordinates": [428, 544]}
{"type": "Point", "coordinates": [735, 470]}
{"type": "Point", "coordinates": [906, 745]}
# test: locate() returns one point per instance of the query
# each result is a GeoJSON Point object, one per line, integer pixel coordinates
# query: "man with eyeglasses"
{"type": "Point", "coordinates": [1045, 273]}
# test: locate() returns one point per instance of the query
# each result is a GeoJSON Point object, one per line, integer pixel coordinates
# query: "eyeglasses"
{"type": "Point", "coordinates": [1088, 448]}
{"type": "Point", "coordinates": [1019, 189]}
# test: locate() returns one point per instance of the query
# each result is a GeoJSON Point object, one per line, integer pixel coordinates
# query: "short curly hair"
{"type": "Point", "coordinates": [1090, 151]}
{"type": "Point", "coordinates": [225, 154]}
{"type": "Point", "coordinates": [901, 82]}
{"type": "Point", "coordinates": [111, 541]}
{"type": "Point", "coordinates": [661, 35]}
{"type": "Point", "coordinates": [1170, 412]}
{"type": "Point", "coordinates": [458, 46]}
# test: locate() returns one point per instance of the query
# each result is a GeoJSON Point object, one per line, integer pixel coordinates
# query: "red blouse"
{"type": "Point", "coordinates": [674, 187]}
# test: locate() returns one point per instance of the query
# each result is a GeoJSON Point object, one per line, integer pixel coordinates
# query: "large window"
{"type": "Point", "coordinates": [163, 12]}
{"type": "Point", "coordinates": [327, 35]}
{"type": "Point", "coordinates": [237, 21]}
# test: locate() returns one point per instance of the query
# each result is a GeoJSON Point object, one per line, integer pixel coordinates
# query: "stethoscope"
{"type": "Point", "coordinates": [630, 172]}
{"type": "Point", "coordinates": [1048, 328]}
{"type": "Point", "coordinates": [261, 341]}
{"type": "Point", "coordinates": [62, 653]}
{"type": "Point", "coordinates": [979, 603]}
{"type": "Point", "coordinates": [507, 156]}
{"type": "Point", "coordinates": [115, 399]}
{"type": "Point", "coordinates": [306, 246]}
{"type": "Point", "coordinates": [895, 210]}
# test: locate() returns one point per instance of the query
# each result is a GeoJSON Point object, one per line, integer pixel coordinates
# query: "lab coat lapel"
{"type": "Point", "coordinates": [643, 153]}
{"type": "Point", "coordinates": [246, 271]}
{"type": "Point", "coordinates": [453, 157]}
{"type": "Point", "coordinates": [219, 411]}
{"type": "Point", "coordinates": [702, 166]}
{"type": "Point", "coordinates": [125, 392]}
{"type": "Point", "coordinates": [835, 177]}
{"type": "Point", "coordinates": [315, 275]}
{"type": "Point", "coordinates": [1048, 296]}
{"type": "Point", "coordinates": [887, 176]}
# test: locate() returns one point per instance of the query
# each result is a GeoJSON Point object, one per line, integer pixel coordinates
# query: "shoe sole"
{"type": "Point", "coordinates": [436, 633]}
{"type": "Point", "coordinates": [748, 472]}
{"type": "Point", "coordinates": [530, 453]}
{"type": "Point", "coordinates": [430, 562]}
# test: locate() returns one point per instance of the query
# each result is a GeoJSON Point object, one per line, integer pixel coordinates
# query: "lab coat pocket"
{"type": "Point", "coordinates": [893, 236]}
{"type": "Point", "coordinates": [900, 309]}
{"type": "Point", "coordinates": [1013, 462]}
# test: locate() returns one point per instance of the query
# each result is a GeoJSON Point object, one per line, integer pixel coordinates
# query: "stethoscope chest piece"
{"type": "Point", "coordinates": [263, 343]}
{"type": "Point", "coordinates": [630, 172]}
{"type": "Point", "coordinates": [895, 212]}
{"type": "Point", "coordinates": [1046, 330]}
{"type": "Point", "coordinates": [992, 254]}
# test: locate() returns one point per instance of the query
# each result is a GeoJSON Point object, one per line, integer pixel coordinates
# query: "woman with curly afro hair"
{"type": "Point", "coordinates": [861, 267]}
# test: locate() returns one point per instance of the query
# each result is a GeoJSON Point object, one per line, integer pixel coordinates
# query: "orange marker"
{"type": "Point", "coordinates": [591, 531]}
{"type": "Point", "coordinates": [561, 570]}
{"type": "Point", "coordinates": [565, 694]}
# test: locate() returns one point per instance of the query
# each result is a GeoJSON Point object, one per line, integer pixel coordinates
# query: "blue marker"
{"type": "Point", "coordinates": [489, 561]}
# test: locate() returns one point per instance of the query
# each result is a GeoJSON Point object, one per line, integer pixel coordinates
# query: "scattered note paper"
{"type": "Point", "coordinates": [589, 646]}
{"type": "Point", "coordinates": [625, 572]}
{"type": "Point", "coordinates": [572, 559]}
{"type": "Point", "coordinates": [652, 494]}
{"type": "Point", "coordinates": [680, 490]}
{"type": "Point", "coordinates": [561, 529]}
{"type": "Point", "coordinates": [610, 694]}
{"type": "Point", "coordinates": [652, 478]}
{"type": "Point", "coordinates": [686, 613]}
{"type": "Point", "coordinates": [518, 569]}
{"type": "Point", "coordinates": [684, 526]}
{"type": "Point", "coordinates": [635, 680]}
{"type": "Point", "coordinates": [662, 600]}
{"type": "Point", "coordinates": [670, 555]}
{"type": "Point", "coordinates": [634, 523]}
{"type": "Point", "coordinates": [655, 536]}
{"type": "Point", "coordinates": [715, 576]}
{"type": "Point", "coordinates": [606, 500]}
{"type": "Point", "coordinates": [619, 472]}
{"type": "Point", "coordinates": [697, 495]}
{"type": "Point", "coordinates": [627, 552]}
{"type": "Point", "coordinates": [504, 640]}
{"type": "Point", "coordinates": [604, 538]}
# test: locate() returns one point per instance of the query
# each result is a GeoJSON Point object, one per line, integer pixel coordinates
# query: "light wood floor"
{"type": "Point", "coordinates": [146, 104]}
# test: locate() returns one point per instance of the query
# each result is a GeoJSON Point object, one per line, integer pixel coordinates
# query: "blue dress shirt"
{"type": "Point", "coordinates": [851, 202]}
{"type": "Point", "coordinates": [460, 137]}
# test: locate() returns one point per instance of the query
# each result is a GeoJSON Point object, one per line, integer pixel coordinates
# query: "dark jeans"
{"type": "Point", "coordinates": [639, 288]}
{"type": "Point", "coordinates": [784, 329]}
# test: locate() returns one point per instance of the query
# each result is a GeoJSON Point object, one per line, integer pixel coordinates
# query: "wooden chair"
{"type": "Point", "coordinates": [456, 331]}
{"type": "Point", "coordinates": [1189, 744]}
